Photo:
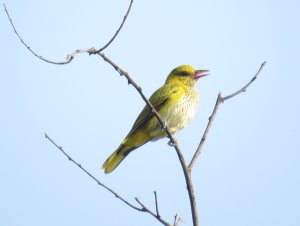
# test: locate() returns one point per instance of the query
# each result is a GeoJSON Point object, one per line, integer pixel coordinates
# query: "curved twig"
{"type": "Point", "coordinates": [243, 89]}
{"type": "Point", "coordinates": [119, 29]}
{"type": "Point", "coordinates": [70, 56]}
{"type": "Point", "coordinates": [220, 100]}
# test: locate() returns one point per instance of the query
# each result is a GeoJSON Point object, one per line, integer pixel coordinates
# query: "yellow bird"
{"type": "Point", "coordinates": [176, 102]}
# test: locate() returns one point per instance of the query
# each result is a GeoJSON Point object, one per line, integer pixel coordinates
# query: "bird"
{"type": "Point", "coordinates": [176, 102]}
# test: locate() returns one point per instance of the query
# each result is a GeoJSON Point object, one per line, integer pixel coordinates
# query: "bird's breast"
{"type": "Point", "coordinates": [181, 111]}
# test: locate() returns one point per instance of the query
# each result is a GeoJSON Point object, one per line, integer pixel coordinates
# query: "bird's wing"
{"type": "Point", "coordinates": [158, 99]}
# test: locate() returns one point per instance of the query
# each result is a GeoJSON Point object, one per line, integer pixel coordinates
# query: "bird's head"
{"type": "Point", "coordinates": [185, 74]}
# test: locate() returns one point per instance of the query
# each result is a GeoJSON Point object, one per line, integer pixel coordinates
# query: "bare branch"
{"type": "Point", "coordinates": [177, 220]}
{"type": "Point", "coordinates": [143, 209]}
{"type": "Point", "coordinates": [220, 100]}
{"type": "Point", "coordinates": [119, 29]}
{"type": "Point", "coordinates": [93, 177]}
{"type": "Point", "coordinates": [156, 205]}
{"type": "Point", "coordinates": [243, 89]}
{"type": "Point", "coordinates": [70, 56]}
{"type": "Point", "coordinates": [146, 209]}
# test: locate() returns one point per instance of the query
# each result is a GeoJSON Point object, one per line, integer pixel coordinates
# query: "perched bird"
{"type": "Point", "coordinates": [176, 102]}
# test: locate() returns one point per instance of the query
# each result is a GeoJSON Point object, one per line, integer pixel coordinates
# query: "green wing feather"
{"type": "Point", "coordinates": [159, 98]}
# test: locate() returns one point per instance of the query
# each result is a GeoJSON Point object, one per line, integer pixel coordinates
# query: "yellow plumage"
{"type": "Point", "coordinates": [176, 102]}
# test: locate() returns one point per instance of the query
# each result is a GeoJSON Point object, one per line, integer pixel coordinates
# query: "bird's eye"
{"type": "Point", "coordinates": [183, 73]}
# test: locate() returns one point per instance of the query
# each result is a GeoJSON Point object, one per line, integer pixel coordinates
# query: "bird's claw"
{"type": "Point", "coordinates": [172, 143]}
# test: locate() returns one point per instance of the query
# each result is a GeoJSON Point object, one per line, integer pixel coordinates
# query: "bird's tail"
{"type": "Point", "coordinates": [116, 158]}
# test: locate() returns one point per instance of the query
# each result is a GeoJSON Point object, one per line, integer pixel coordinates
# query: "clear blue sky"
{"type": "Point", "coordinates": [248, 173]}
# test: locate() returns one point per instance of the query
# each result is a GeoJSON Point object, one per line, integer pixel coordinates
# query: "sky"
{"type": "Point", "coordinates": [248, 172]}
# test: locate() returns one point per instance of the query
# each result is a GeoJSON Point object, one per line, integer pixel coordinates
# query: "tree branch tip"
{"type": "Point", "coordinates": [176, 220]}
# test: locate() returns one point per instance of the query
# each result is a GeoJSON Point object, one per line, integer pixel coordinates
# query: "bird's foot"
{"type": "Point", "coordinates": [173, 142]}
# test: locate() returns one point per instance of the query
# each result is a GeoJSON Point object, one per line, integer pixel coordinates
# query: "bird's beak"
{"type": "Point", "coordinates": [199, 74]}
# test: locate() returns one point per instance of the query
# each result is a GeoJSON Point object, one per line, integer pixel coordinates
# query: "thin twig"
{"type": "Point", "coordinates": [146, 209]}
{"type": "Point", "coordinates": [156, 205]}
{"type": "Point", "coordinates": [119, 29]}
{"type": "Point", "coordinates": [220, 100]}
{"type": "Point", "coordinates": [70, 56]}
{"type": "Point", "coordinates": [243, 89]}
{"type": "Point", "coordinates": [93, 177]}
{"type": "Point", "coordinates": [176, 220]}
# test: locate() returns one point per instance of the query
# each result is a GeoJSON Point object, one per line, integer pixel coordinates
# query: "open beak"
{"type": "Point", "coordinates": [200, 73]}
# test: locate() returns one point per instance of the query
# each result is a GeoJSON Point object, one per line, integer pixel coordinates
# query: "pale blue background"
{"type": "Point", "coordinates": [248, 174]}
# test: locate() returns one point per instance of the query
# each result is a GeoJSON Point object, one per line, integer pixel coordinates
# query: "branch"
{"type": "Point", "coordinates": [177, 220]}
{"type": "Point", "coordinates": [143, 209]}
{"type": "Point", "coordinates": [220, 100]}
{"type": "Point", "coordinates": [93, 177]}
{"type": "Point", "coordinates": [243, 89]}
{"type": "Point", "coordinates": [119, 29]}
{"type": "Point", "coordinates": [156, 205]}
{"type": "Point", "coordinates": [70, 56]}
{"type": "Point", "coordinates": [146, 209]}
